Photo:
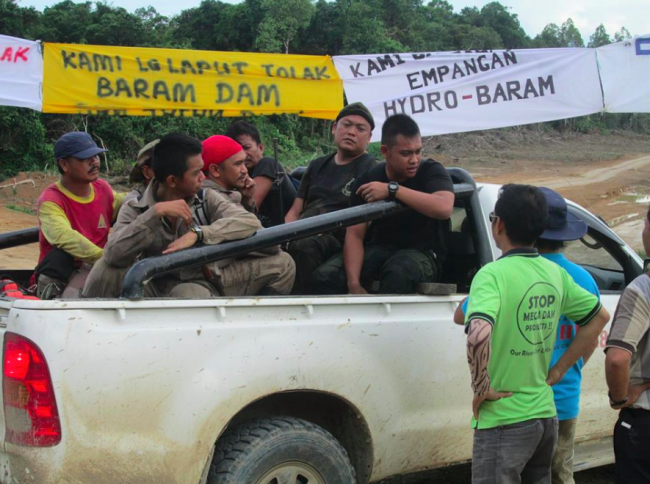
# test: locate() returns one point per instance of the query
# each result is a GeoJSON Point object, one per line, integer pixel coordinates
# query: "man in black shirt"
{"type": "Point", "coordinates": [400, 250]}
{"type": "Point", "coordinates": [274, 192]}
{"type": "Point", "coordinates": [326, 187]}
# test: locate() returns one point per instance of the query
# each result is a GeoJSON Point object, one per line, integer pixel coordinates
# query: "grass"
{"type": "Point", "coordinates": [17, 208]}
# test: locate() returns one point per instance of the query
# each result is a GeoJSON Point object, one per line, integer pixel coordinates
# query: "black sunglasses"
{"type": "Point", "coordinates": [493, 217]}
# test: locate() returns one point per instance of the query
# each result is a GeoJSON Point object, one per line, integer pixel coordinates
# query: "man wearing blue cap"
{"type": "Point", "coordinates": [561, 226]}
{"type": "Point", "coordinates": [74, 217]}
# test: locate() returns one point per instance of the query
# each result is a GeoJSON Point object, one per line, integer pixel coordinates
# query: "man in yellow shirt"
{"type": "Point", "coordinates": [74, 217]}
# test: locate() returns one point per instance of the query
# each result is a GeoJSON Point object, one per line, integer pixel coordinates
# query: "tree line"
{"type": "Point", "coordinates": [321, 27]}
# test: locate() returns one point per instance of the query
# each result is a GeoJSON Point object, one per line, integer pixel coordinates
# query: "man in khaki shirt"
{"type": "Point", "coordinates": [162, 221]}
{"type": "Point", "coordinates": [267, 272]}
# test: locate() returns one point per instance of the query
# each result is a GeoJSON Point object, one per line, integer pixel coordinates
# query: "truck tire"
{"type": "Point", "coordinates": [280, 450]}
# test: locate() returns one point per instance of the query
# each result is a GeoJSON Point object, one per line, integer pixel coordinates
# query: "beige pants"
{"type": "Point", "coordinates": [252, 276]}
{"type": "Point", "coordinates": [246, 277]}
{"type": "Point", "coordinates": [562, 466]}
{"type": "Point", "coordinates": [105, 281]}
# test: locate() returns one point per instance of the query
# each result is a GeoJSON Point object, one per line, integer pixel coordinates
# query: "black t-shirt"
{"type": "Point", "coordinates": [272, 169]}
{"type": "Point", "coordinates": [410, 229]}
{"type": "Point", "coordinates": [326, 186]}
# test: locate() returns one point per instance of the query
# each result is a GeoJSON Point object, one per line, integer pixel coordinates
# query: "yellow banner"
{"type": "Point", "coordinates": [93, 79]}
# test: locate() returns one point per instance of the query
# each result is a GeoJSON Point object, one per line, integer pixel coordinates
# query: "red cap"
{"type": "Point", "coordinates": [217, 149]}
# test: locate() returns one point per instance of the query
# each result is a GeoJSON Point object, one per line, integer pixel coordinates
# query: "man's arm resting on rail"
{"type": "Point", "coordinates": [581, 345]}
{"type": "Point", "coordinates": [57, 230]}
{"type": "Point", "coordinates": [353, 253]}
{"type": "Point", "coordinates": [478, 358]}
{"type": "Point", "coordinates": [438, 205]}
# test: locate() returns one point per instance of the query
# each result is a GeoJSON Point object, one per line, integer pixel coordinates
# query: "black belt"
{"type": "Point", "coordinates": [635, 412]}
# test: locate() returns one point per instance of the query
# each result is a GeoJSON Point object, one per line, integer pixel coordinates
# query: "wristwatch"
{"type": "Point", "coordinates": [392, 190]}
{"type": "Point", "coordinates": [199, 233]}
{"type": "Point", "coordinates": [614, 403]}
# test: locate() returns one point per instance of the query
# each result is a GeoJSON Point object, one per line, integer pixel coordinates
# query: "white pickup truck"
{"type": "Point", "coordinates": [267, 390]}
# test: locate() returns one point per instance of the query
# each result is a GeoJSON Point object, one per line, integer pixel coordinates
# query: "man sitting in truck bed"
{"type": "Point", "coordinates": [326, 187]}
{"type": "Point", "coordinates": [404, 249]}
{"type": "Point", "coordinates": [74, 218]}
{"type": "Point", "coordinates": [265, 171]}
{"type": "Point", "coordinates": [267, 272]}
{"type": "Point", "coordinates": [162, 222]}
{"type": "Point", "coordinates": [142, 172]}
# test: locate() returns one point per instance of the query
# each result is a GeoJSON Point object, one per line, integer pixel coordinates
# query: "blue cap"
{"type": "Point", "coordinates": [562, 224]}
{"type": "Point", "coordinates": [77, 144]}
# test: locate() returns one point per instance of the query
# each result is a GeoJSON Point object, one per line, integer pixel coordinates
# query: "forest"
{"type": "Point", "coordinates": [321, 27]}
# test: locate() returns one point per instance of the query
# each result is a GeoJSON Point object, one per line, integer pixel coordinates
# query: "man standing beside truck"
{"type": "Point", "coordinates": [74, 217]}
{"type": "Point", "coordinates": [404, 249]}
{"type": "Point", "coordinates": [326, 187]}
{"type": "Point", "coordinates": [562, 226]}
{"type": "Point", "coordinates": [514, 307]}
{"type": "Point", "coordinates": [161, 222]}
{"type": "Point", "coordinates": [627, 368]}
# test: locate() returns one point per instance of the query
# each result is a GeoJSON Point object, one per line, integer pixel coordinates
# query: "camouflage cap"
{"type": "Point", "coordinates": [144, 155]}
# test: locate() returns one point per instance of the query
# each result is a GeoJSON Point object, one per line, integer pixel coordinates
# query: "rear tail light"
{"type": "Point", "coordinates": [31, 416]}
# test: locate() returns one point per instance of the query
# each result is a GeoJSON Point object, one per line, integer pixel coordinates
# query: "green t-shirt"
{"type": "Point", "coordinates": [523, 296]}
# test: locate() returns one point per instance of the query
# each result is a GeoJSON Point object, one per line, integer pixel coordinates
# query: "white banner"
{"type": "Point", "coordinates": [21, 73]}
{"type": "Point", "coordinates": [453, 92]}
{"type": "Point", "coordinates": [625, 74]}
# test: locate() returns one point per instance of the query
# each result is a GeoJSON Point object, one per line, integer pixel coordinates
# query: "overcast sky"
{"type": "Point", "coordinates": [533, 14]}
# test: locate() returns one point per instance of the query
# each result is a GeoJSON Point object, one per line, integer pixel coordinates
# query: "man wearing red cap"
{"type": "Point", "coordinates": [268, 272]}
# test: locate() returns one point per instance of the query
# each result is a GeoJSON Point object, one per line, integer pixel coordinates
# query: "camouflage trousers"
{"type": "Point", "coordinates": [309, 254]}
{"type": "Point", "coordinates": [397, 270]}
{"type": "Point", "coordinates": [270, 275]}
{"type": "Point", "coordinates": [105, 281]}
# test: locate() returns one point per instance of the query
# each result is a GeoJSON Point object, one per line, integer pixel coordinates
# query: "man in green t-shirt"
{"type": "Point", "coordinates": [515, 305]}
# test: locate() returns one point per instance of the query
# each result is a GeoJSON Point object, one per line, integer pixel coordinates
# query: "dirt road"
{"type": "Point", "coordinates": [618, 191]}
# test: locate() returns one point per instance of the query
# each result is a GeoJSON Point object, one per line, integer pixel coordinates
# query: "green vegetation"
{"type": "Point", "coordinates": [18, 208]}
{"type": "Point", "coordinates": [319, 27]}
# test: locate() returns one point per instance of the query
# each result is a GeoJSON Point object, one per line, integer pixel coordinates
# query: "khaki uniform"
{"type": "Point", "coordinates": [265, 272]}
{"type": "Point", "coordinates": [139, 233]}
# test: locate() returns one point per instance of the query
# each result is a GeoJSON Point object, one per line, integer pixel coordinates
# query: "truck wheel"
{"type": "Point", "coordinates": [280, 450]}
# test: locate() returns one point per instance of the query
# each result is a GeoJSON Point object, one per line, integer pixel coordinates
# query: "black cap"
{"type": "Point", "coordinates": [77, 144]}
{"type": "Point", "coordinates": [561, 225]}
{"type": "Point", "coordinates": [358, 109]}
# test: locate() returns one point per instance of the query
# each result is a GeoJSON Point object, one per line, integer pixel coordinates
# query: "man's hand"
{"type": "Point", "coordinates": [187, 240]}
{"type": "Point", "coordinates": [174, 209]}
{"type": "Point", "coordinates": [490, 396]}
{"type": "Point", "coordinates": [554, 376]}
{"type": "Point", "coordinates": [356, 289]}
{"type": "Point", "coordinates": [373, 191]}
{"type": "Point", "coordinates": [248, 191]}
{"type": "Point", "coordinates": [633, 394]}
